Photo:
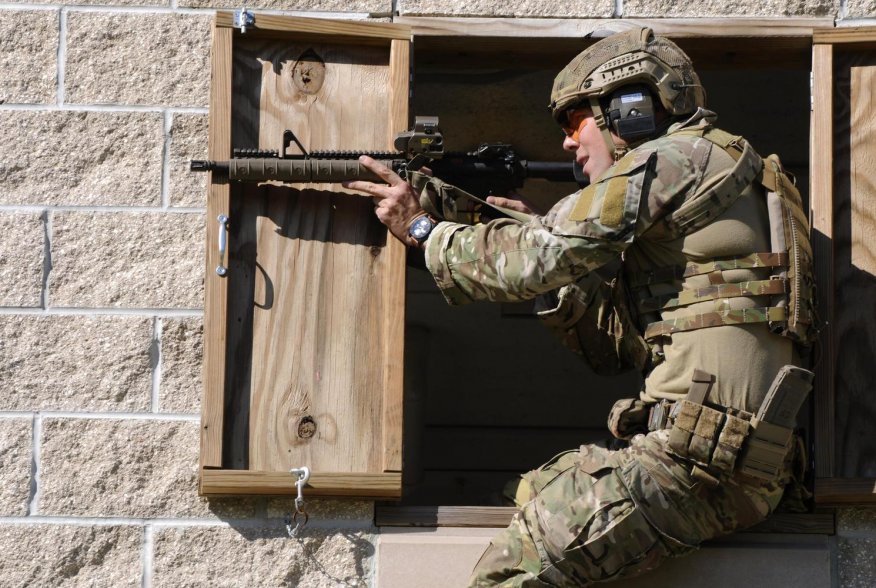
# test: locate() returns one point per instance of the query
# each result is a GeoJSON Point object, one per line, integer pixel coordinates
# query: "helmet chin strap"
{"type": "Point", "coordinates": [616, 151]}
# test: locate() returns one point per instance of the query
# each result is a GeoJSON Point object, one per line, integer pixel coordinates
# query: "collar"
{"type": "Point", "coordinates": [700, 118]}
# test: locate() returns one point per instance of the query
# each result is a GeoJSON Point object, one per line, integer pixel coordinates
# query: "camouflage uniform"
{"type": "Point", "coordinates": [594, 515]}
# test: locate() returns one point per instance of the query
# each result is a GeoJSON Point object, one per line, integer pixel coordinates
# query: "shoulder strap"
{"type": "Point", "coordinates": [709, 204]}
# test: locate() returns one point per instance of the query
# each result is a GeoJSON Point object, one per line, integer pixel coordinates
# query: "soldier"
{"type": "Point", "coordinates": [687, 257]}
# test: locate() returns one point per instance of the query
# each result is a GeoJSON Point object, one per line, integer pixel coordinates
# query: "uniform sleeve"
{"type": "Point", "coordinates": [506, 260]}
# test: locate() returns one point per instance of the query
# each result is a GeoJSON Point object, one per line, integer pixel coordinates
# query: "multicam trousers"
{"type": "Point", "coordinates": [596, 515]}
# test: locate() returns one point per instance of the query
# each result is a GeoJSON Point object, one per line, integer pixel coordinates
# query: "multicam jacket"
{"type": "Point", "coordinates": [621, 217]}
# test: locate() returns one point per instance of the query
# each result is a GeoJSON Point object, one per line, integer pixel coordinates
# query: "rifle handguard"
{"type": "Point", "coordinates": [304, 171]}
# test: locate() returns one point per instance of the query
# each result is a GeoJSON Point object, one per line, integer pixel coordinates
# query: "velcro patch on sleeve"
{"type": "Point", "coordinates": [607, 197]}
{"type": "Point", "coordinates": [582, 207]}
{"type": "Point", "coordinates": [613, 202]}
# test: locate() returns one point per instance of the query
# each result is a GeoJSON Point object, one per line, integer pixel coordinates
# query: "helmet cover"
{"type": "Point", "coordinates": [636, 56]}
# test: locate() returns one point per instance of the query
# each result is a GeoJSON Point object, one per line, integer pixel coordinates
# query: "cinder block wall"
{"type": "Point", "coordinates": [101, 288]}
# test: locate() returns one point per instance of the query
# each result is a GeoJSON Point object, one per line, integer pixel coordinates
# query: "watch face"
{"type": "Point", "coordinates": [421, 228]}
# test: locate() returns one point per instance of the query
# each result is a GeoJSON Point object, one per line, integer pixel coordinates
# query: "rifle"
{"type": "Point", "coordinates": [493, 168]}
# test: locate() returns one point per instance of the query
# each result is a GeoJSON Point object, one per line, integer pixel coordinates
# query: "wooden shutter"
{"type": "Point", "coordinates": [843, 201]}
{"type": "Point", "coordinates": [304, 335]}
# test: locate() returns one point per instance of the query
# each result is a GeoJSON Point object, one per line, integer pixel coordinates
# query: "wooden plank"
{"type": "Point", "coordinates": [863, 140]}
{"type": "Point", "coordinates": [309, 28]}
{"type": "Point", "coordinates": [844, 35]}
{"type": "Point", "coordinates": [500, 516]}
{"type": "Point", "coordinates": [444, 516]}
{"type": "Point", "coordinates": [216, 287]}
{"type": "Point", "coordinates": [337, 484]}
{"type": "Point", "coordinates": [821, 205]}
{"type": "Point", "coordinates": [577, 28]}
{"type": "Point", "coordinates": [314, 263]}
{"type": "Point", "coordinates": [393, 294]}
{"type": "Point", "coordinates": [819, 523]}
{"type": "Point", "coordinates": [845, 491]}
{"type": "Point", "coordinates": [854, 330]}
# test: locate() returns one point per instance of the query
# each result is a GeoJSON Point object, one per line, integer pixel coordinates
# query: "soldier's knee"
{"type": "Point", "coordinates": [511, 559]}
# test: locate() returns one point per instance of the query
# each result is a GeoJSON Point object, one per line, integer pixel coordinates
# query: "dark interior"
{"type": "Point", "coordinates": [489, 392]}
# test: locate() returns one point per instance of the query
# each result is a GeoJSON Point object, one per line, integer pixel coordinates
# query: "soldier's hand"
{"type": "Point", "coordinates": [514, 202]}
{"type": "Point", "coordinates": [396, 203]}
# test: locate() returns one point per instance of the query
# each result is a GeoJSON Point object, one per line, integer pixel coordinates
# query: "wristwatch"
{"type": "Point", "coordinates": [421, 228]}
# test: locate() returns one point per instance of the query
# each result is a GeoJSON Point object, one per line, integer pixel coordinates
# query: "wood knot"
{"type": "Point", "coordinates": [308, 74]}
{"type": "Point", "coordinates": [306, 427]}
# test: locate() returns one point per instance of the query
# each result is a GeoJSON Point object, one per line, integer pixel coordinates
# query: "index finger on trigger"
{"type": "Point", "coordinates": [382, 171]}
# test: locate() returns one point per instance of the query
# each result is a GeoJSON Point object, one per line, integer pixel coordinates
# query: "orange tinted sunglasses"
{"type": "Point", "coordinates": [576, 120]}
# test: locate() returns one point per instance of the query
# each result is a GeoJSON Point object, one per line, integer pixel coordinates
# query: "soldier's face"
{"type": "Point", "coordinates": [585, 141]}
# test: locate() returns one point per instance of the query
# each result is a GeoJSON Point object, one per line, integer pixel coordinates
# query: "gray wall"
{"type": "Point", "coordinates": [101, 288]}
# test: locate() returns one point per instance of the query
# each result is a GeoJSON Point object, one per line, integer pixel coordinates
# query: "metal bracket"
{"type": "Point", "coordinates": [243, 18]}
{"type": "Point", "coordinates": [222, 268]}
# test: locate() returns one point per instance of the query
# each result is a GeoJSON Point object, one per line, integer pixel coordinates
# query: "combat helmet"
{"type": "Point", "coordinates": [633, 57]}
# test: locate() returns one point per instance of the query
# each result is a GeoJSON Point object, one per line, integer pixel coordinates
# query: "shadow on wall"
{"type": "Point", "coordinates": [259, 551]}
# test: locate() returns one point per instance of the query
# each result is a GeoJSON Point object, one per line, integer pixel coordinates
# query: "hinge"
{"type": "Point", "coordinates": [243, 18]}
{"type": "Point", "coordinates": [811, 91]}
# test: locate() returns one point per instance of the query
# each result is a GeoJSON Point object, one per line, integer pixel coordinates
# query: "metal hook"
{"type": "Point", "coordinates": [302, 474]}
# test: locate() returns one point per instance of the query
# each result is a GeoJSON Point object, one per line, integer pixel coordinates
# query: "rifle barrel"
{"type": "Point", "coordinates": [304, 171]}
{"type": "Point", "coordinates": [555, 171]}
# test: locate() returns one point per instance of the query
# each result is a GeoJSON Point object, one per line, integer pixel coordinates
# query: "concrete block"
{"type": "Point", "coordinates": [182, 349]}
{"type": "Point", "coordinates": [141, 260]}
{"type": "Point", "coordinates": [324, 509]}
{"type": "Point", "coordinates": [71, 555]}
{"type": "Point", "coordinates": [126, 468]}
{"type": "Point", "coordinates": [29, 46]}
{"type": "Point", "coordinates": [858, 519]}
{"type": "Point", "coordinates": [75, 363]}
{"type": "Point", "coordinates": [340, 6]}
{"type": "Point", "coordinates": [56, 158]}
{"type": "Point", "coordinates": [860, 8]}
{"type": "Point", "coordinates": [261, 556]}
{"type": "Point", "coordinates": [162, 3]}
{"type": "Point", "coordinates": [856, 562]}
{"type": "Point", "coordinates": [715, 8]}
{"type": "Point", "coordinates": [188, 140]}
{"type": "Point", "coordinates": [138, 58]}
{"type": "Point", "coordinates": [516, 8]}
{"type": "Point", "coordinates": [15, 455]}
{"type": "Point", "coordinates": [21, 265]}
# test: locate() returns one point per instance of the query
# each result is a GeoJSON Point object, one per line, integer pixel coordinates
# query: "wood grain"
{"type": "Point", "coordinates": [498, 516]}
{"type": "Point", "coordinates": [234, 482]}
{"type": "Point", "coordinates": [845, 491]}
{"type": "Point", "coordinates": [393, 294]}
{"type": "Point", "coordinates": [216, 288]}
{"type": "Point", "coordinates": [321, 29]}
{"type": "Point", "coordinates": [577, 28]}
{"type": "Point", "coordinates": [855, 290]}
{"type": "Point", "coordinates": [843, 35]}
{"type": "Point", "coordinates": [863, 140]}
{"type": "Point", "coordinates": [315, 272]}
{"type": "Point", "coordinates": [821, 205]}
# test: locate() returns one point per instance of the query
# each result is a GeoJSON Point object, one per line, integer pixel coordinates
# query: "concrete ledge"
{"type": "Point", "coordinates": [438, 558]}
